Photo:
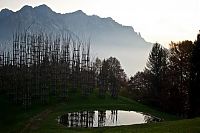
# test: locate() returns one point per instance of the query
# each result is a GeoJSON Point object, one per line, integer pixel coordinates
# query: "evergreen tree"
{"type": "Point", "coordinates": [157, 64]}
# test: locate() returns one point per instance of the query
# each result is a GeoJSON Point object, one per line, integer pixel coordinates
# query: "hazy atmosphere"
{"type": "Point", "coordinates": [106, 66]}
{"type": "Point", "coordinates": [156, 20]}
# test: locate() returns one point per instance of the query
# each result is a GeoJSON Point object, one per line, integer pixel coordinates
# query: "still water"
{"type": "Point", "coordinates": [104, 118]}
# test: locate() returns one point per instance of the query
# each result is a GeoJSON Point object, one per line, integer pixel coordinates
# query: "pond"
{"type": "Point", "coordinates": [104, 118]}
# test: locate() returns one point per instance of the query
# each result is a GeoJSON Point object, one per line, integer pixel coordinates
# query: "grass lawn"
{"type": "Point", "coordinates": [179, 126]}
{"type": "Point", "coordinates": [42, 119]}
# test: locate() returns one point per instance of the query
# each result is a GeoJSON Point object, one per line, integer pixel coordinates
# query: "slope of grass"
{"type": "Point", "coordinates": [42, 119]}
{"type": "Point", "coordinates": [77, 103]}
{"type": "Point", "coordinates": [13, 117]}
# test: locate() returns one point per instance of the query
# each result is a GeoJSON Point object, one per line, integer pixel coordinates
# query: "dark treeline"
{"type": "Point", "coordinates": [171, 79]}
{"type": "Point", "coordinates": [110, 76]}
{"type": "Point", "coordinates": [40, 67]}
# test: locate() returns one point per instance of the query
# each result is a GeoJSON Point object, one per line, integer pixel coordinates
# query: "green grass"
{"type": "Point", "coordinates": [13, 118]}
{"type": "Point", "coordinates": [179, 126]}
{"type": "Point", "coordinates": [45, 122]}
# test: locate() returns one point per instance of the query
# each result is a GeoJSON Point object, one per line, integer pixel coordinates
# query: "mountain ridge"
{"type": "Point", "coordinates": [44, 8]}
{"type": "Point", "coordinates": [105, 33]}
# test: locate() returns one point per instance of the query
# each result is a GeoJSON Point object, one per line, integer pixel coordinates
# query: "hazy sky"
{"type": "Point", "coordinates": [157, 20]}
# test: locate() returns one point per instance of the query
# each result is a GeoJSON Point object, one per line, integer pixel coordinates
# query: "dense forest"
{"type": "Point", "coordinates": [41, 67]}
{"type": "Point", "coordinates": [171, 79]}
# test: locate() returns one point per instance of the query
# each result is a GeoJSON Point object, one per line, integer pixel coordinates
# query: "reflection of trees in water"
{"type": "Point", "coordinates": [101, 118]}
{"type": "Point", "coordinates": [98, 119]}
{"type": "Point", "coordinates": [114, 116]}
{"type": "Point", "coordinates": [64, 119]}
{"type": "Point", "coordinates": [78, 119]}
{"type": "Point", "coordinates": [149, 119]}
{"type": "Point", "coordinates": [110, 120]}
{"type": "Point", "coordinates": [87, 119]}
{"type": "Point", "coordinates": [90, 118]}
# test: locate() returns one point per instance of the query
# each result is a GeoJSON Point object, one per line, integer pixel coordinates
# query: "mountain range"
{"type": "Point", "coordinates": [108, 38]}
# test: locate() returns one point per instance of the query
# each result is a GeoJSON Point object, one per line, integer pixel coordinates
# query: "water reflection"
{"type": "Point", "coordinates": [103, 118]}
